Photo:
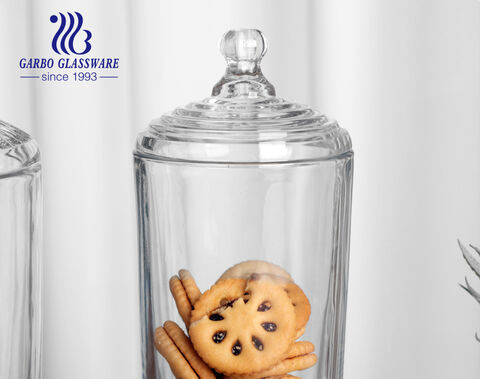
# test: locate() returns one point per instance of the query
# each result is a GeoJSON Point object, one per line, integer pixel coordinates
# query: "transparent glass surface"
{"type": "Point", "coordinates": [20, 262]}
{"type": "Point", "coordinates": [245, 175]}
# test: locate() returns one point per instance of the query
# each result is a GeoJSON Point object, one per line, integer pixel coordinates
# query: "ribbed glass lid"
{"type": "Point", "coordinates": [17, 150]}
{"type": "Point", "coordinates": [243, 120]}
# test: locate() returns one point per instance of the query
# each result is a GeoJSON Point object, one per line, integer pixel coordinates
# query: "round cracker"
{"type": "Point", "coordinates": [264, 336]}
{"type": "Point", "coordinates": [301, 304]}
{"type": "Point", "coordinates": [218, 296]}
{"type": "Point", "coordinates": [297, 296]}
{"type": "Point", "coordinates": [245, 269]}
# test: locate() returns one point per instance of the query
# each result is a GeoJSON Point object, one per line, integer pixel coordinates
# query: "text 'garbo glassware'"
{"type": "Point", "coordinates": [20, 259]}
{"type": "Point", "coordinates": [249, 195]}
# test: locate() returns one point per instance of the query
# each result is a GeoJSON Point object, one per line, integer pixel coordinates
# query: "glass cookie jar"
{"type": "Point", "coordinates": [249, 195]}
{"type": "Point", "coordinates": [20, 260]}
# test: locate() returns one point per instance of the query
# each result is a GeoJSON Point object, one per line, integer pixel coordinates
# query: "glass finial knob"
{"type": "Point", "coordinates": [243, 49]}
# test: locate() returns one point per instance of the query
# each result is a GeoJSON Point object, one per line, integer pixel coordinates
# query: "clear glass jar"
{"type": "Point", "coordinates": [20, 260]}
{"type": "Point", "coordinates": [244, 176]}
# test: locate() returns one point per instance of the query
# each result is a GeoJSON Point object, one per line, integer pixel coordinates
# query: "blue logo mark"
{"type": "Point", "coordinates": [67, 37]}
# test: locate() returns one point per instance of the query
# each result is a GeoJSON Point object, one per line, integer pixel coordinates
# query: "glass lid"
{"type": "Point", "coordinates": [243, 121]}
{"type": "Point", "coordinates": [17, 150]}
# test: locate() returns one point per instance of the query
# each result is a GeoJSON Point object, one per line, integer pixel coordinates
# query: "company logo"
{"type": "Point", "coordinates": [68, 30]}
{"type": "Point", "coordinates": [71, 41]}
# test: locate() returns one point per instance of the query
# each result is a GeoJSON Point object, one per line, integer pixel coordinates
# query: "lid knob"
{"type": "Point", "coordinates": [243, 50]}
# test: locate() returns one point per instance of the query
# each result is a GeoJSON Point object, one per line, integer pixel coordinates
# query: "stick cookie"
{"type": "Point", "coordinates": [270, 377]}
{"type": "Point", "coordinates": [178, 364]}
{"type": "Point", "coordinates": [182, 342]}
{"type": "Point", "coordinates": [181, 299]}
{"type": "Point", "coordinates": [191, 288]}
{"type": "Point", "coordinates": [300, 348]}
{"type": "Point", "coordinates": [282, 369]}
{"type": "Point", "coordinates": [300, 332]}
{"type": "Point", "coordinates": [292, 364]}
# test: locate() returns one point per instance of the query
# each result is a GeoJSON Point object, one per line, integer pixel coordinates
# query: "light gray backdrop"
{"type": "Point", "coordinates": [402, 76]}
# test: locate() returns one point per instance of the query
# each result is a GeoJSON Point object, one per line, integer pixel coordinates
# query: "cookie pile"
{"type": "Point", "coordinates": [246, 326]}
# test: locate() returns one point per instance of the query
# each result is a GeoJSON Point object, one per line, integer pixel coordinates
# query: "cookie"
{"type": "Point", "coordinates": [218, 297]}
{"type": "Point", "coordinates": [281, 369]}
{"type": "Point", "coordinates": [298, 297]}
{"type": "Point", "coordinates": [300, 332]}
{"type": "Point", "coordinates": [250, 333]}
{"type": "Point", "coordinates": [300, 348]}
{"type": "Point", "coordinates": [245, 269]}
{"type": "Point", "coordinates": [178, 364]}
{"type": "Point", "coordinates": [301, 304]}
{"type": "Point", "coordinates": [269, 377]}
{"type": "Point", "coordinates": [296, 350]}
{"type": "Point", "coordinates": [185, 346]}
{"type": "Point", "coordinates": [291, 364]}
{"type": "Point", "coordinates": [191, 288]}
{"type": "Point", "coordinates": [260, 270]}
{"type": "Point", "coordinates": [181, 299]}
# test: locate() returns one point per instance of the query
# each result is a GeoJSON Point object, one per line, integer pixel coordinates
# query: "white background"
{"type": "Point", "coordinates": [402, 76]}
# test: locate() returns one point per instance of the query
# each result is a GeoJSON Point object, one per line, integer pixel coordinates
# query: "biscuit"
{"type": "Point", "coordinates": [251, 333]}
{"type": "Point", "coordinates": [282, 368]}
{"type": "Point", "coordinates": [269, 377]}
{"type": "Point", "coordinates": [178, 364]}
{"type": "Point", "coordinates": [181, 299]}
{"type": "Point", "coordinates": [191, 288]}
{"type": "Point", "coordinates": [243, 270]}
{"type": "Point", "coordinates": [296, 350]}
{"type": "Point", "coordinates": [185, 346]}
{"type": "Point", "coordinates": [218, 296]}
{"type": "Point", "coordinates": [300, 348]}
{"type": "Point", "coordinates": [298, 297]}
{"type": "Point", "coordinates": [301, 304]}
{"type": "Point", "coordinates": [300, 332]}
{"type": "Point", "coordinates": [291, 364]}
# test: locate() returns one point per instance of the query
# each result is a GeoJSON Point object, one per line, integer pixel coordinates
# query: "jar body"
{"type": "Point", "coordinates": [20, 273]}
{"type": "Point", "coordinates": [209, 216]}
